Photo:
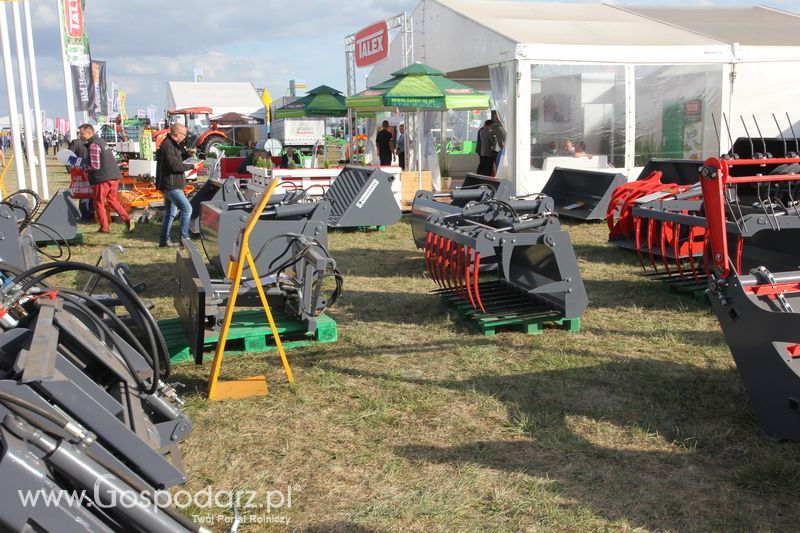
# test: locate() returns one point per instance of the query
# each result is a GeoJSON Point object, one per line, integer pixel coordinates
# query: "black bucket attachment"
{"type": "Point", "coordinates": [537, 273]}
{"type": "Point", "coordinates": [676, 171]}
{"type": "Point", "coordinates": [362, 197]}
{"type": "Point", "coordinates": [58, 221]}
{"type": "Point", "coordinates": [759, 317]}
{"type": "Point", "coordinates": [582, 194]}
{"type": "Point", "coordinates": [475, 188]}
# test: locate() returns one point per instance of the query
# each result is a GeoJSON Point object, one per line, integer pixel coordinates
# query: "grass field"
{"type": "Point", "coordinates": [412, 423]}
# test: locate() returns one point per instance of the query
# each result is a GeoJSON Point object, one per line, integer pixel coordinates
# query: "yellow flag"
{"type": "Point", "coordinates": [122, 111]}
{"type": "Point", "coordinates": [267, 100]}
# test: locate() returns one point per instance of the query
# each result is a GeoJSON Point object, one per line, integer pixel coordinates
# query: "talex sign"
{"type": "Point", "coordinates": [74, 18]}
{"type": "Point", "coordinates": [372, 44]}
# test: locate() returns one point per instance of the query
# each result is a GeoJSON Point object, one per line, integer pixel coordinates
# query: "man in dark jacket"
{"type": "Point", "coordinates": [104, 176]}
{"type": "Point", "coordinates": [486, 148]}
{"type": "Point", "coordinates": [171, 180]}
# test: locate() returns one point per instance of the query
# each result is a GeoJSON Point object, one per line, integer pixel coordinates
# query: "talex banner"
{"type": "Point", "coordinates": [76, 47]}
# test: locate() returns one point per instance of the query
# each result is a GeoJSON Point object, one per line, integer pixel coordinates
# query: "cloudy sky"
{"type": "Point", "coordinates": [266, 42]}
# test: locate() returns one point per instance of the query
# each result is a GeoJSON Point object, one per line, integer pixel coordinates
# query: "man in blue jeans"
{"type": "Point", "coordinates": [171, 180]}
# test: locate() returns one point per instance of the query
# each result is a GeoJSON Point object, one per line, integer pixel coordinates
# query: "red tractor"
{"type": "Point", "coordinates": [203, 134]}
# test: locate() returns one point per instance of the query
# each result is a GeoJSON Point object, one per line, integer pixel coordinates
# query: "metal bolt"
{"type": "Point", "coordinates": [718, 257]}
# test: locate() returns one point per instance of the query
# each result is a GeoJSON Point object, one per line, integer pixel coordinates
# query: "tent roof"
{"type": "Point", "coordinates": [573, 24]}
{"type": "Point", "coordinates": [222, 98]}
{"type": "Point", "coordinates": [748, 26]}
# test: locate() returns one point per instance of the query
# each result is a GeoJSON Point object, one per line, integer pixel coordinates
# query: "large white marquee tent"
{"type": "Point", "coordinates": [630, 82]}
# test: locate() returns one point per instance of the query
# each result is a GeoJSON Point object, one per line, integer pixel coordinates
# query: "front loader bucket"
{"type": "Point", "coordinates": [59, 220]}
{"type": "Point", "coordinates": [362, 197]}
{"type": "Point", "coordinates": [761, 325]}
{"type": "Point", "coordinates": [582, 194]}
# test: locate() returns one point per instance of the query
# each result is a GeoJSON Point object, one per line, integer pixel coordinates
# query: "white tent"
{"type": "Point", "coordinates": [630, 82]}
{"type": "Point", "coordinates": [220, 97]}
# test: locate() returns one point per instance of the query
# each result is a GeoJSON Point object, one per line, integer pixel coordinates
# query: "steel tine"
{"type": "Point", "coordinates": [475, 280]}
{"type": "Point", "coordinates": [446, 263]}
{"type": "Point", "coordinates": [462, 262]}
{"type": "Point", "coordinates": [428, 238]}
{"type": "Point", "coordinates": [436, 258]}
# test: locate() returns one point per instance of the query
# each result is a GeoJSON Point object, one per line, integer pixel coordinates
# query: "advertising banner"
{"type": "Point", "coordinates": [122, 110]}
{"type": "Point", "coordinates": [100, 103]}
{"type": "Point", "coordinates": [76, 46]}
{"type": "Point", "coordinates": [372, 44]}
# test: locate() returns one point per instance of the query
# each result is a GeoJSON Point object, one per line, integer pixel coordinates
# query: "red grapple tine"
{"type": "Point", "coordinates": [435, 259]}
{"type": "Point", "coordinates": [467, 274]}
{"type": "Point", "coordinates": [638, 226]}
{"type": "Point", "coordinates": [651, 228]}
{"type": "Point", "coordinates": [475, 280]}
{"type": "Point", "coordinates": [676, 246]}
{"type": "Point", "coordinates": [439, 249]}
{"type": "Point", "coordinates": [428, 238]}
{"type": "Point", "coordinates": [739, 251]}
{"type": "Point", "coordinates": [446, 263]}
{"type": "Point", "coordinates": [453, 263]}
{"type": "Point", "coordinates": [460, 271]}
{"type": "Point", "coordinates": [691, 254]}
{"type": "Point", "coordinates": [664, 230]}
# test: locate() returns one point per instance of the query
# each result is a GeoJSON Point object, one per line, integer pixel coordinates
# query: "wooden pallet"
{"type": "Point", "coordinates": [682, 286]}
{"type": "Point", "coordinates": [250, 332]}
{"type": "Point", "coordinates": [506, 310]}
{"type": "Point", "coordinates": [359, 229]}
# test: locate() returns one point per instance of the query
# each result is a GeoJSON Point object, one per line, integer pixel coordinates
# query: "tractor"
{"type": "Point", "coordinates": [203, 134]}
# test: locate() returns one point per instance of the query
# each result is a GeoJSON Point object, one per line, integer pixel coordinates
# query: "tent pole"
{"type": "Point", "coordinates": [419, 147]}
{"type": "Point", "coordinates": [13, 117]}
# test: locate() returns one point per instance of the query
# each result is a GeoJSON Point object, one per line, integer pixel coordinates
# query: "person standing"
{"type": "Point", "coordinates": [486, 149]}
{"type": "Point", "coordinates": [171, 180]}
{"type": "Point", "coordinates": [104, 176]}
{"type": "Point", "coordinates": [401, 147]}
{"type": "Point", "coordinates": [500, 137]}
{"type": "Point", "coordinates": [385, 144]}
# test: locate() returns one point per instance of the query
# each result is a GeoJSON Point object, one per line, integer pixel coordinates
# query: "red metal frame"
{"type": "Point", "coordinates": [714, 178]}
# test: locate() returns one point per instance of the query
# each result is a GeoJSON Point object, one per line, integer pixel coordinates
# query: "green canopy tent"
{"type": "Point", "coordinates": [322, 101]}
{"type": "Point", "coordinates": [418, 87]}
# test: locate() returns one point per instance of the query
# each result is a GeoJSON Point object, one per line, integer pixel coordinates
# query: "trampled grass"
{"type": "Point", "coordinates": [411, 422]}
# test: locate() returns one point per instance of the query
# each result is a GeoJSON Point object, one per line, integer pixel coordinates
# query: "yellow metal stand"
{"type": "Point", "coordinates": [3, 176]}
{"type": "Point", "coordinates": [256, 385]}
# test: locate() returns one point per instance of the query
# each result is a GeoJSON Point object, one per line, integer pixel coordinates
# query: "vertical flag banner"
{"type": "Point", "coordinates": [76, 44]}
{"type": "Point", "coordinates": [100, 89]}
{"type": "Point", "coordinates": [152, 114]}
{"type": "Point", "coordinates": [114, 100]}
{"type": "Point", "coordinates": [198, 75]}
{"type": "Point", "coordinates": [122, 111]}
{"type": "Point", "coordinates": [266, 99]}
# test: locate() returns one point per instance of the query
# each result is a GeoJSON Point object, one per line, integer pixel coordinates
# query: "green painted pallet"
{"type": "Point", "coordinates": [77, 240]}
{"type": "Point", "coordinates": [505, 311]}
{"type": "Point", "coordinates": [250, 332]}
{"type": "Point", "coordinates": [359, 229]}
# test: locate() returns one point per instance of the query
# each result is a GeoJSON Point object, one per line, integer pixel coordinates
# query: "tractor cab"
{"type": "Point", "coordinates": [202, 133]}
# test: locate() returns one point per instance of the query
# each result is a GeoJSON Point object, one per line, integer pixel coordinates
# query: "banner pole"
{"type": "Point", "coordinates": [72, 126]}
{"type": "Point", "coordinates": [37, 110]}
{"type": "Point", "coordinates": [13, 115]}
{"type": "Point", "coordinates": [30, 135]}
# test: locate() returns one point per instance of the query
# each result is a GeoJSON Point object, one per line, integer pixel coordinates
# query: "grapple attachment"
{"type": "Point", "coordinates": [475, 188]}
{"type": "Point", "coordinates": [537, 273]}
{"type": "Point", "coordinates": [582, 194]}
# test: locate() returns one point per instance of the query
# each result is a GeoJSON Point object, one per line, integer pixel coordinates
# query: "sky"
{"type": "Point", "coordinates": [266, 42]}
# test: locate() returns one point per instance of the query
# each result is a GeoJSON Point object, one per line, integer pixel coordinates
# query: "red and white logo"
{"type": "Point", "coordinates": [372, 44]}
{"type": "Point", "coordinates": [74, 18]}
